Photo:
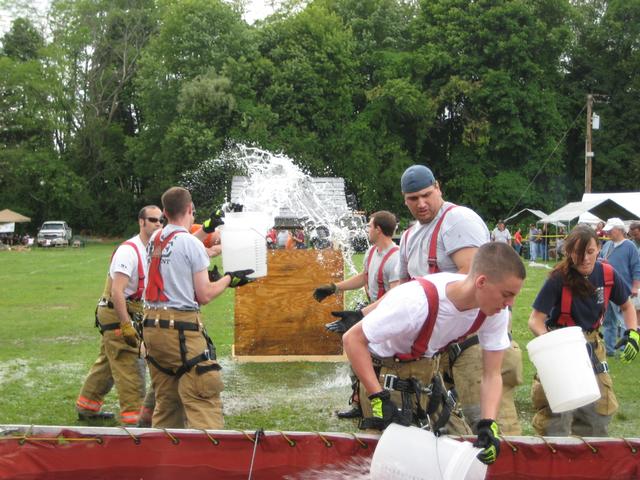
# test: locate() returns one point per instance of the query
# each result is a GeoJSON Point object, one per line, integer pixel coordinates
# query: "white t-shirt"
{"type": "Point", "coordinates": [389, 270]}
{"type": "Point", "coordinates": [125, 261]}
{"type": "Point", "coordinates": [183, 256]}
{"type": "Point", "coordinates": [396, 322]}
{"type": "Point", "coordinates": [501, 235]}
{"type": "Point", "coordinates": [461, 228]}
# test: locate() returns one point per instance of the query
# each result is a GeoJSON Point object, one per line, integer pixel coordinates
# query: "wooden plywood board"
{"type": "Point", "coordinates": [277, 314]}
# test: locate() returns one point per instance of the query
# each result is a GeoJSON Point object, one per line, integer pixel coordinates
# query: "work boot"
{"type": "Point", "coordinates": [88, 416]}
{"type": "Point", "coordinates": [353, 412]}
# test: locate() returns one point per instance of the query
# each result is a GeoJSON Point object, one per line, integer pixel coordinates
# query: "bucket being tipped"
{"type": "Point", "coordinates": [564, 368]}
{"type": "Point", "coordinates": [410, 452]}
{"type": "Point", "coordinates": [243, 241]}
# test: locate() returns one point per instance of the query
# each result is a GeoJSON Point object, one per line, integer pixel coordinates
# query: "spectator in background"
{"type": "Point", "coordinates": [501, 234]}
{"type": "Point", "coordinates": [543, 242]}
{"type": "Point", "coordinates": [272, 239]}
{"type": "Point", "coordinates": [600, 233]}
{"type": "Point", "coordinates": [517, 241]}
{"type": "Point", "coordinates": [622, 254]}
{"type": "Point", "coordinates": [534, 237]}
{"type": "Point", "coordinates": [298, 237]}
{"type": "Point", "coordinates": [634, 233]}
{"type": "Point", "coordinates": [282, 237]}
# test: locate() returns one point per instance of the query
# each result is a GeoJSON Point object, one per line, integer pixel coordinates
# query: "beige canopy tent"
{"type": "Point", "coordinates": [9, 216]}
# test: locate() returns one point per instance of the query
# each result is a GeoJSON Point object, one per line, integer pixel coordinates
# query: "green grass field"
{"type": "Point", "coordinates": [48, 342]}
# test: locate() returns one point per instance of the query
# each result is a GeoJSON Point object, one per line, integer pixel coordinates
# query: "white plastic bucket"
{"type": "Point", "coordinates": [412, 453]}
{"type": "Point", "coordinates": [243, 240]}
{"type": "Point", "coordinates": [564, 368]}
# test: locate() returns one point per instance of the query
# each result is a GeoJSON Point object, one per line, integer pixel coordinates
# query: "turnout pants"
{"type": "Point", "coordinates": [466, 374]}
{"type": "Point", "coordinates": [189, 398]}
{"type": "Point", "coordinates": [424, 371]}
{"type": "Point", "coordinates": [589, 421]}
{"type": "Point", "coordinates": [117, 364]}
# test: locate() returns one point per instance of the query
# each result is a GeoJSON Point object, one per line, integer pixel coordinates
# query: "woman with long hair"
{"type": "Point", "coordinates": [577, 292]}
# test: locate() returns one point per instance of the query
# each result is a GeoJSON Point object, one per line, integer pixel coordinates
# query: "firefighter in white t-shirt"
{"type": "Point", "coordinates": [379, 275]}
{"type": "Point", "coordinates": [121, 301]}
{"type": "Point", "coordinates": [415, 322]}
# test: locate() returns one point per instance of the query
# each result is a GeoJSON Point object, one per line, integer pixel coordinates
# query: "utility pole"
{"type": "Point", "coordinates": [588, 152]}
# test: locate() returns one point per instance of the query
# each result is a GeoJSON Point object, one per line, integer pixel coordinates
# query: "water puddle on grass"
{"type": "Point", "coordinates": [250, 386]}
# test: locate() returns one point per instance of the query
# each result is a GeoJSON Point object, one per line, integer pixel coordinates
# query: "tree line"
{"type": "Point", "coordinates": [109, 102]}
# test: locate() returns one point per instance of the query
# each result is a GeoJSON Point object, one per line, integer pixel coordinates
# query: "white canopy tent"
{"type": "Point", "coordinates": [629, 200]}
{"type": "Point", "coordinates": [604, 208]}
{"type": "Point", "coordinates": [524, 213]}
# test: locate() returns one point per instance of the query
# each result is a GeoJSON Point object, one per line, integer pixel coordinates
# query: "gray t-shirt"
{"type": "Point", "coordinates": [389, 270]}
{"type": "Point", "coordinates": [182, 257]}
{"type": "Point", "coordinates": [461, 228]}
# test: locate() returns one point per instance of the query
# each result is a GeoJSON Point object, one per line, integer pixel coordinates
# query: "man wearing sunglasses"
{"type": "Point", "coordinates": [121, 304]}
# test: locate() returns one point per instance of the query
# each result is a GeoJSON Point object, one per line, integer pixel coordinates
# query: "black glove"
{"type": "Point", "coordinates": [239, 277]}
{"type": "Point", "coordinates": [323, 291]}
{"type": "Point", "coordinates": [214, 221]}
{"type": "Point", "coordinates": [629, 340]}
{"type": "Point", "coordinates": [384, 410]}
{"type": "Point", "coordinates": [235, 207]}
{"type": "Point", "coordinates": [214, 275]}
{"type": "Point", "coordinates": [488, 433]}
{"type": "Point", "coordinates": [347, 320]}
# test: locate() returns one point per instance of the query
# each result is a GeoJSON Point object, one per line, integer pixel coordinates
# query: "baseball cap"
{"type": "Point", "coordinates": [415, 178]}
{"type": "Point", "coordinates": [614, 222]}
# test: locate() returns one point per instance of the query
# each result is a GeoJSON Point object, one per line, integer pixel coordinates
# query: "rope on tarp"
{"type": "Point", "coordinates": [513, 448]}
{"type": "Point", "coordinates": [259, 433]}
{"type": "Point", "coordinates": [593, 449]}
{"type": "Point", "coordinates": [633, 449]}
{"type": "Point", "coordinates": [22, 439]}
{"type": "Point", "coordinates": [215, 441]}
{"type": "Point", "coordinates": [136, 440]}
{"type": "Point", "coordinates": [551, 447]}
{"type": "Point", "coordinates": [327, 442]}
{"type": "Point", "coordinates": [174, 440]}
{"type": "Point", "coordinates": [292, 443]}
{"type": "Point", "coordinates": [360, 442]}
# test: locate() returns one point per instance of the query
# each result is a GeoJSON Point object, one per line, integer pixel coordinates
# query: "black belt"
{"type": "Point", "coordinates": [108, 326]}
{"type": "Point", "coordinates": [175, 324]}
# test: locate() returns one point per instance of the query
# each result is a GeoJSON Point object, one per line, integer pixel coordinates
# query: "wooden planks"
{"type": "Point", "coordinates": [277, 314]}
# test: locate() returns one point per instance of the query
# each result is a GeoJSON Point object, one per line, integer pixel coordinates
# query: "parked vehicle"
{"type": "Point", "coordinates": [54, 233]}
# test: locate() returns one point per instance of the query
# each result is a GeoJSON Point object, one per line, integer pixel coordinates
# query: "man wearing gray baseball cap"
{"type": "Point", "coordinates": [445, 238]}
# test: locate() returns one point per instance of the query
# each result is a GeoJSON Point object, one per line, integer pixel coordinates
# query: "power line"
{"type": "Point", "coordinates": [546, 161]}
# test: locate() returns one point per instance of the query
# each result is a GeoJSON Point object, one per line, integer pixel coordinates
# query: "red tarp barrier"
{"type": "Point", "coordinates": [94, 453]}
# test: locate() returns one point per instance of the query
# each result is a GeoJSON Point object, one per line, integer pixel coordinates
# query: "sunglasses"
{"type": "Point", "coordinates": [154, 219]}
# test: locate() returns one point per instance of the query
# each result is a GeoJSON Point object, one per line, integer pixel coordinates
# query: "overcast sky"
{"type": "Point", "coordinates": [256, 9]}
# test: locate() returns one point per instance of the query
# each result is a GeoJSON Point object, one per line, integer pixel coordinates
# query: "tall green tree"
{"type": "Point", "coordinates": [187, 103]}
{"type": "Point", "coordinates": [493, 68]}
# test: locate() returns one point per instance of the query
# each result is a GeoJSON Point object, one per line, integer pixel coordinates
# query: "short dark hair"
{"type": "Point", "coordinates": [176, 201]}
{"type": "Point", "coordinates": [142, 214]}
{"type": "Point", "coordinates": [634, 225]}
{"type": "Point", "coordinates": [497, 260]}
{"type": "Point", "coordinates": [386, 221]}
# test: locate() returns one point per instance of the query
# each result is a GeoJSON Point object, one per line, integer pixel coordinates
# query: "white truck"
{"type": "Point", "coordinates": [54, 233]}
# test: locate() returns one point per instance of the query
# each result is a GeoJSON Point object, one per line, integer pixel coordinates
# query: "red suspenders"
{"type": "Point", "coordinates": [155, 287]}
{"type": "Point", "coordinates": [432, 259]}
{"type": "Point", "coordinates": [421, 342]}
{"type": "Point", "coordinates": [566, 320]}
{"type": "Point", "coordinates": [138, 294]}
{"type": "Point", "coordinates": [380, 276]}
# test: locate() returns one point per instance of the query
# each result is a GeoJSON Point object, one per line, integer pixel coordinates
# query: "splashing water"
{"type": "Point", "coordinates": [356, 469]}
{"type": "Point", "coordinates": [275, 186]}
